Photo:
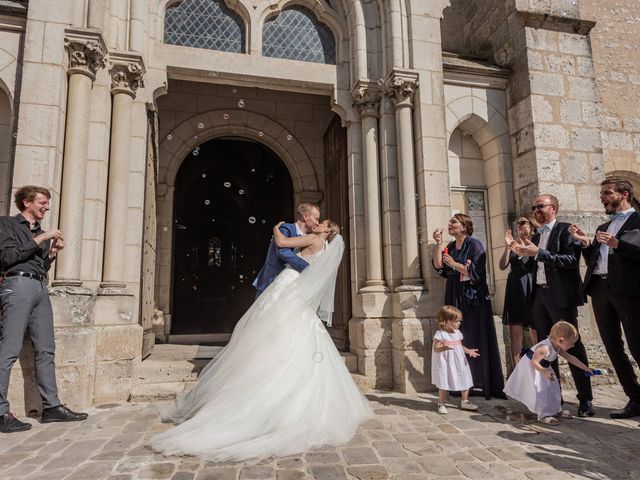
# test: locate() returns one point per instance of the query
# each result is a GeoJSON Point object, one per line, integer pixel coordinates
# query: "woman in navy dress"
{"type": "Point", "coordinates": [463, 263]}
{"type": "Point", "coordinates": [517, 297]}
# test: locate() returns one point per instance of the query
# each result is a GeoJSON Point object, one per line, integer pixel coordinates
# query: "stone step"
{"type": "Point", "coordinates": [172, 369]}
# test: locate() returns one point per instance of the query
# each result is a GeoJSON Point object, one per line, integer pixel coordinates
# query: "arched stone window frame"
{"type": "Point", "coordinates": [234, 5]}
{"type": "Point", "coordinates": [322, 12]}
{"type": "Point", "coordinates": [487, 125]}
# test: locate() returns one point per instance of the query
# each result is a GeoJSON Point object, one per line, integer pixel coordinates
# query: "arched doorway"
{"type": "Point", "coordinates": [229, 194]}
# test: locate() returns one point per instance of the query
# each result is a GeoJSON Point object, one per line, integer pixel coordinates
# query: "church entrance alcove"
{"type": "Point", "coordinates": [229, 194]}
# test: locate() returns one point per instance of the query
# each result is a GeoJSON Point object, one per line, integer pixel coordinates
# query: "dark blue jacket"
{"type": "Point", "coordinates": [278, 259]}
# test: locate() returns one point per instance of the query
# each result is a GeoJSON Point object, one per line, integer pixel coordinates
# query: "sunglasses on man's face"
{"type": "Point", "coordinates": [539, 206]}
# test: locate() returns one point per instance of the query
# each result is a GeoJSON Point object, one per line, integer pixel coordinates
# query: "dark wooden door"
{"type": "Point", "coordinates": [337, 209]}
{"type": "Point", "coordinates": [229, 195]}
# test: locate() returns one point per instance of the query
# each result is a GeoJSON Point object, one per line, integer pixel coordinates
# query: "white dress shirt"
{"type": "Point", "coordinates": [602, 264]}
{"type": "Point", "coordinates": [541, 276]}
{"type": "Point", "coordinates": [299, 232]}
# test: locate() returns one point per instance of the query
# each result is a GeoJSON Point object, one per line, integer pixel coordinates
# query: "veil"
{"type": "Point", "coordinates": [317, 283]}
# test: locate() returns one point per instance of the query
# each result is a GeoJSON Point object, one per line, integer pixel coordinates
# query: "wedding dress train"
{"type": "Point", "coordinates": [280, 386]}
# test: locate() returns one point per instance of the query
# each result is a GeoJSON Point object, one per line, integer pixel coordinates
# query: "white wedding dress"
{"type": "Point", "coordinates": [280, 386]}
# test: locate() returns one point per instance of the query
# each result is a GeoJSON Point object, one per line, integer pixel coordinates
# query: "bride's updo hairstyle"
{"type": "Point", "coordinates": [334, 230]}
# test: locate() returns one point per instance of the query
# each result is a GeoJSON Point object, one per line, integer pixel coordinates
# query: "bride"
{"type": "Point", "coordinates": [280, 386]}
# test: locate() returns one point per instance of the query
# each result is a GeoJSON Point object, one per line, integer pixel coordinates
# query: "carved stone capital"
{"type": "Point", "coordinates": [127, 71]}
{"type": "Point", "coordinates": [400, 86]}
{"type": "Point", "coordinates": [87, 52]}
{"type": "Point", "coordinates": [366, 98]}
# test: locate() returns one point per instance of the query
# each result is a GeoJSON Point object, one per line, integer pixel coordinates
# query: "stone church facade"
{"type": "Point", "coordinates": [174, 134]}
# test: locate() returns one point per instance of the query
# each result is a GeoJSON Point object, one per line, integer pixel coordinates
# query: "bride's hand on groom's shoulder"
{"type": "Point", "coordinates": [278, 225]}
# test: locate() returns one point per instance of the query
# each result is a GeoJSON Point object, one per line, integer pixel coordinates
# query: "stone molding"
{"type": "Point", "coordinates": [366, 98]}
{"type": "Point", "coordinates": [400, 86]}
{"type": "Point", "coordinates": [87, 52]}
{"type": "Point", "coordinates": [127, 72]}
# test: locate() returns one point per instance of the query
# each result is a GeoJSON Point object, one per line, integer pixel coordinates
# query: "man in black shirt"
{"type": "Point", "coordinates": [26, 254]}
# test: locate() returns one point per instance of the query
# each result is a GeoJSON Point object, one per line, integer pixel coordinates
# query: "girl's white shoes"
{"type": "Point", "coordinates": [464, 405]}
{"type": "Point", "coordinates": [467, 405]}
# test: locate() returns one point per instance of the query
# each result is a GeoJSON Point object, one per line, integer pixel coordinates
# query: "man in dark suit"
{"type": "Point", "coordinates": [278, 258]}
{"type": "Point", "coordinates": [612, 281]}
{"type": "Point", "coordinates": [557, 287]}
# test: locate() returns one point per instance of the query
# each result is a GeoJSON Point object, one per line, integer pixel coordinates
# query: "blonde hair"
{"type": "Point", "coordinates": [306, 209]}
{"type": "Point", "coordinates": [334, 230]}
{"type": "Point", "coordinates": [563, 329]}
{"type": "Point", "coordinates": [528, 219]}
{"type": "Point", "coordinates": [448, 313]}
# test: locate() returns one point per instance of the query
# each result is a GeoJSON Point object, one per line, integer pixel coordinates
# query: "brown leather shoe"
{"type": "Point", "coordinates": [61, 414]}
{"type": "Point", "coordinates": [10, 424]}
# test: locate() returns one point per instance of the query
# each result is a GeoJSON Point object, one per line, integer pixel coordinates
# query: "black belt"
{"type": "Point", "coordinates": [542, 285]}
{"type": "Point", "coordinates": [35, 276]}
{"type": "Point", "coordinates": [527, 352]}
{"type": "Point", "coordinates": [601, 276]}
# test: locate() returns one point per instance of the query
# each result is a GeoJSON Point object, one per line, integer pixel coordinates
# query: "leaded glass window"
{"type": "Point", "coordinates": [295, 34]}
{"type": "Point", "coordinates": [204, 24]}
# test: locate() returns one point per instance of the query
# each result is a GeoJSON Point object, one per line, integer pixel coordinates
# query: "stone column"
{"type": "Point", "coordinates": [366, 97]}
{"type": "Point", "coordinates": [400, 87]}
{"type": "Point", "coordinates": [126, 78]}
{"type": "Point", "coordinates": [86, 55]}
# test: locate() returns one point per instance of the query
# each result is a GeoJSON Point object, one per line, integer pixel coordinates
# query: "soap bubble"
{"type": "Point", "coordinates": [241, 276]}
{"type": "Point", "coordinates": [207, 202]}
{"type": "Point", "coordinates": [225, 116]}
{"type": "Point", "coordinates": [196, 151]}
{"type": "Point", "coordinates": [252, 220]}
{"type": "Point", "coordinates": [204, 175]}
{"type": "Point", "coordinates": [213, 219]}
{"type": "Point", "coordinates": [227, 184]}
{"type": "Point", "coordinates": [289, 137]}
{"type": "Point", "coordinates": [380, 81]}
{"type": "Point", "coordinates": [200, 125]}
{"type": "Point", "coordinates": [263, 221]}
{"type": "Point", "coordinates": [165, 229]}
{"type": "Point", "coordinates": [241, 103]}
{"type": "Point", "coordinates": [253, 170]}
{"type": "Point", "coordinates": [260, 134]}
{"type": "Point", "coordinates": [235, 90]}
{"type": "Point", "coordinates": [317, 357]}
{"type": "Point", "coordinates": [169, 137]}
{"type": "Point", "coordinates": [241, 192]}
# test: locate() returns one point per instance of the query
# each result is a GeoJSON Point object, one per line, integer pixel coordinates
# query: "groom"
{"type": "Point", "coordinates": [279, 258]}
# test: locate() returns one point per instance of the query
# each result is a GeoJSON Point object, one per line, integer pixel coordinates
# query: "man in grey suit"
{"type": "Point", "coordinates": [26, 254]}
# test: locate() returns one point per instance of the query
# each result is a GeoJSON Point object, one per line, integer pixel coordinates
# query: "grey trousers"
{"type": "Point", "coordinates": [26, 308]}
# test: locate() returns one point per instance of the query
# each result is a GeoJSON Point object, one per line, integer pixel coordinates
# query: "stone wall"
{"type": "Point", "coordinates": [616, 59]}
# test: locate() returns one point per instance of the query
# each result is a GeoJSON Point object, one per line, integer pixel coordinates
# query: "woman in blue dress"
{"type": "Point", "coordinates": [463, 262]}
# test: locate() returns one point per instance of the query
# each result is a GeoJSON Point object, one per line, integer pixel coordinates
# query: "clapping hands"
{"type": "Point", "coordinates": [524, 247]}
{"type": "Point", "coordinates": [577, 233]}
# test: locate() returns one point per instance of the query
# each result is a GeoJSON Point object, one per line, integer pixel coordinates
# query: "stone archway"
{"type": "Point", "coordinates": [217, 124]}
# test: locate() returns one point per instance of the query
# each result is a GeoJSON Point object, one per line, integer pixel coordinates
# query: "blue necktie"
{"type": "Point", "coordinates": [542, 229]}
{"type": "Point", "coordinates": [613, 216]}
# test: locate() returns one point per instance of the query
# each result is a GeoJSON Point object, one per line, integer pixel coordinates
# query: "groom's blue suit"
{"type": "Point", "coordinates": [278, 259]}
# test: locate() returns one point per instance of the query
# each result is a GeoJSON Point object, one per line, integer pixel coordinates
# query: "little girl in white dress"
{"type": "Point", "coordinates": [533, 381]}
{"type": "Point", "coordinates": [449, 366]}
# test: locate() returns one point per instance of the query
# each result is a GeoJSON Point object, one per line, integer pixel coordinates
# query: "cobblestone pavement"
{"type": "Point", "coordinates": [407, 440]}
